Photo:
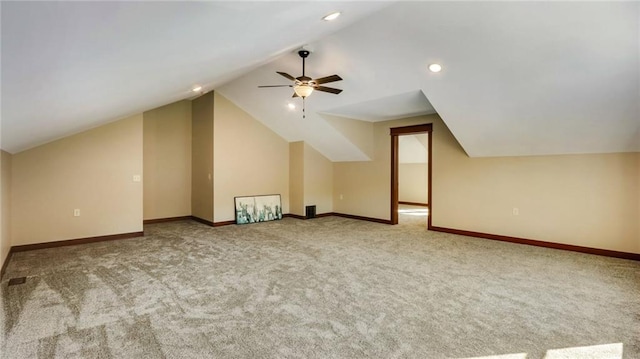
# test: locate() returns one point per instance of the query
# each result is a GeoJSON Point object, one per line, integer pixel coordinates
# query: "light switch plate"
{"type": "Point", "coordinates": [136, 178]}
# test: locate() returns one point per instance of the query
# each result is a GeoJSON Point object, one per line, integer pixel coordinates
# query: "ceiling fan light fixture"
{"type": "Point", "coordinates": [303, 90]}
{"type": "Point", "coordinates": [332, 16]}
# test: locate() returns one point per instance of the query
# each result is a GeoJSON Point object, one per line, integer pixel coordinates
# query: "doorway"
{"type": "Point", "coordinates": [396, 133]}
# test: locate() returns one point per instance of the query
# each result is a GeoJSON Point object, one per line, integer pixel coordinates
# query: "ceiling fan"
{"type": "Point", "coordinates": [303, 85]}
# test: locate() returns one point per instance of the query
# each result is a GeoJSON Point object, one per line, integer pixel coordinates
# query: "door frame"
{"type": "Point", "coordinates": [395, 132]}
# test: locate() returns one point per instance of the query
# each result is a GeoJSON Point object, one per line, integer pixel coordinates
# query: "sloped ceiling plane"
{"type": "Point", "coordinates": [518, 78]}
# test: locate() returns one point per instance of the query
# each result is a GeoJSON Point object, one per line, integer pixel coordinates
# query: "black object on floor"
{"type": "Point", "coordinates": [16, 281]}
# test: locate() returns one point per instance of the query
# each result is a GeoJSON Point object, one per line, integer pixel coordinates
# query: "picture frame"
{"type": "Point", "coordinates": [259, 208]}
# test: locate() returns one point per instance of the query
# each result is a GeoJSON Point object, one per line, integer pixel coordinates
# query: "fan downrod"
{"type": "Point", "coordinates": [303, 54]}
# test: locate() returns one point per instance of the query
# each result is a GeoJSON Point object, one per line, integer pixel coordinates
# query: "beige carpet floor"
{"type": "Point", "coordinates": [323, 288]}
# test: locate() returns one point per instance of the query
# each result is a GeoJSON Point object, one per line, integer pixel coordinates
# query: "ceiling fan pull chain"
{"type": "Point", "coordinates": [303, 111]}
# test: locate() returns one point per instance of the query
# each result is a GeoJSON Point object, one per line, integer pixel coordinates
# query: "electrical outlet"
{"type": "Point", "coordinates": [341, 197]}
{"type": "Point", "coordinates": [136, 178]}
{"type": "Point", "coordinates": [76, 212]}
{"type": "Point", "coordinates": [516, 211]}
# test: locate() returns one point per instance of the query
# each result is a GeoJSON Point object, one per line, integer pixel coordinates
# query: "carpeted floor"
{"type": "Point", "coordinates": [323, 288]}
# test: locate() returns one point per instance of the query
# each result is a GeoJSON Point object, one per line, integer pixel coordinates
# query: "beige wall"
{"type": "Point", "coordinates": [310, 179]}
{"type": "Point", "coordinates": [412, 182]}
{"type": "Point", "coordinates": [365, 186]}
{"type": "Point", "coordinates": [318, 180]}
{"type": "Point", "coordinates": [583, 200]}
{"type": "Point", "coordinates": [296, 178]}
{"type": "Point", "coordinates": [249, 159]}
{"type": "Point", "coordinates": [202, 157]}
{"type": "Point", "coordinates": [5, 206]}
{"type": "Point", "coordinates": [91, 171]}
{"type": "Point", "coordinates": [167, 161]}
{"type": "Point", "coordinates": [580, 200]}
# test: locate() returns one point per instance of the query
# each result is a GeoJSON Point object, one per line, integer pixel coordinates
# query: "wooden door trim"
{"type": "Point", "coordinates": [409, 130]}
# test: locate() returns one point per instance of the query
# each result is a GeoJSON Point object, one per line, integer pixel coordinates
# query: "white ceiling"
{"type": "Point", "coordinates": [392, 107]}
{"type": "Point", "coordinates": [519, 78]}
{"type": "Point", "coordinates": [69, 66]}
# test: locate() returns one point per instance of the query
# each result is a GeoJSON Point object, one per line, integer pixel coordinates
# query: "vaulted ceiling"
{"type": "Point", "coordinates": [518, 78]}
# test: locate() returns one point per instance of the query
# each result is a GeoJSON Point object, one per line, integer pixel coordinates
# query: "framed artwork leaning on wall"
{"type": "Point", "coordinates": [261, 208]}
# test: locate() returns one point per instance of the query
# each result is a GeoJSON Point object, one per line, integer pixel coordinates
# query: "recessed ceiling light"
{"type": "Point", "coordinates": [435, 68]}
{"type": "Point", "coordinates": [332, 16]}
{"type": "Point", "coordinates": [291, 106]}
{"type": "Point", "coordinates": [196, 89]}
